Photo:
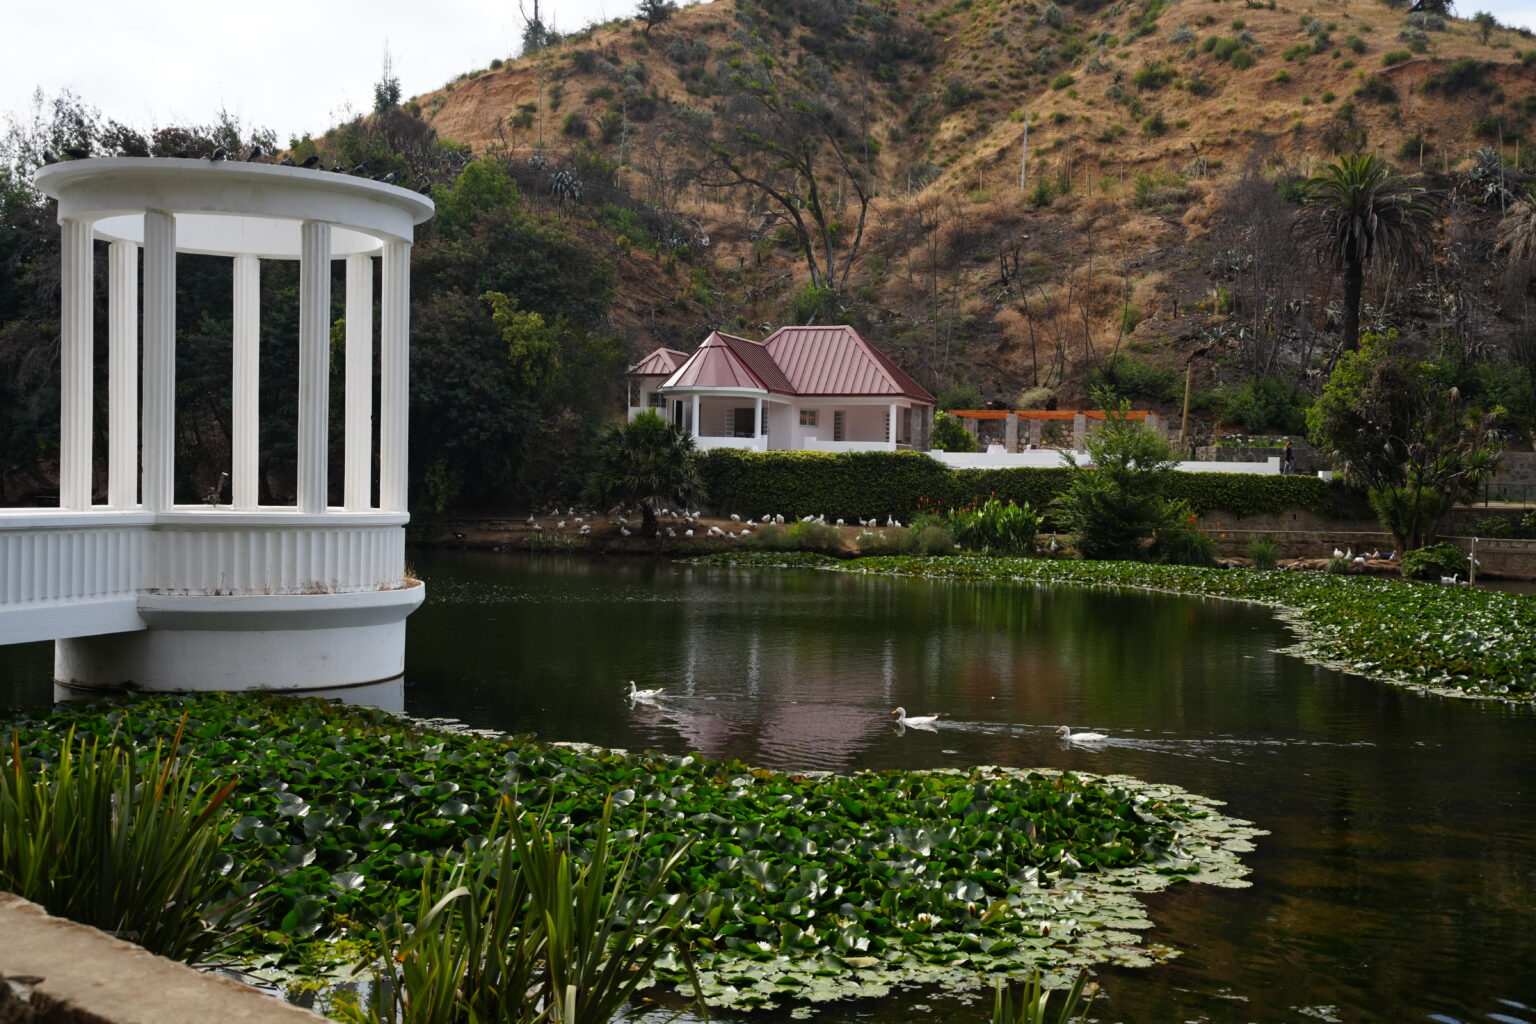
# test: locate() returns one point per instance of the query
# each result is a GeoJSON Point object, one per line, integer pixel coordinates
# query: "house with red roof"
{"type": "Point", "coordinates": [800, 388]}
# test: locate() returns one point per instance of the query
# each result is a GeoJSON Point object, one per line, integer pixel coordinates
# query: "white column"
{"type": "Point", "coordinates": [890, 427]}
{"type": "Point", "coordinates": [696, 432]}
{"type": "Point", "coordinates": [394, 375]}
{"type": "Point", "coordinates": [757, 419]}
{"type": "Point", "coordinates": [76, 383]}
{"type": "Point", "coordinates": [123, 375]}
{"type": "Point", "coordinates": [358, 471]}
{"type": "Point", "coordinates": [314, 363]}
{"type": "Point", "coordinates": [158, 430]}
{"type": "Point", "coordinates": [245, 399]}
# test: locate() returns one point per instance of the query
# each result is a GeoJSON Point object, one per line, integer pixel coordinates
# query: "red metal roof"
{"type": "Point", "coordinates": [661, 363]}
{"type": "Point", "coordinates": [837, 361]}
{"type": "Point", "coordinates": [725, 362]}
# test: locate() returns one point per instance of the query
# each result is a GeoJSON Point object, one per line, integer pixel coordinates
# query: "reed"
{"type": "Point", "coordinates": [1030, 1002]}
{"type": "Point", "coordinates": [130, 848]}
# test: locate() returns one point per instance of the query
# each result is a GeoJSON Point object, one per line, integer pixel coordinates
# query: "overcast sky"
{"type": "Point", "coordinates": [294, 66]}
{"type": "Point", "coordinates": [289, 65]}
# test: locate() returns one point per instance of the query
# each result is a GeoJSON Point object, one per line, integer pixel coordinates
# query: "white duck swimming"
{"type": "Point", "coordinates": [1069, 736]}
{"type": "Point", "coordinates": [635, 694]}
{"type": "Point", "coordinates": [902, 719]}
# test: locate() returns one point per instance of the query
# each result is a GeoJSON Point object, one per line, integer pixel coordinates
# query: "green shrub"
{"type": "Point", "coordinates": [1494, 526]}
{"type": "Point", "coordinates": [1242, 60]}
{"type": "Point", "coordinates": [995, 527]}
{"type": "Point", "coordinates": [1282, 76]}
{"type": "Point", "coordinates": [1130, 377]}
{"type": "Point", "coordinates": [860, 485]}
{"type": "Point", "coordinates": [1180, 541]}
{"type": "Point", "coordinates": [798, 536]}
{"type": "Point", "coordinates": [1434, 562]}
{"type": "Point", "coordinates": [1266, 403]}
{"type": "Point", "coordinates": [1528, 522]}
{"type": "Point", "coordinates": [1392, 57]}
{"type": "Point", "coordinates": [1264, 551]}
{"type": "Point", "coordinates": [1461, 75]}
{"type": "Point", "coordinates": [1336, 567]}
{"type": "Point", "coordinates": [574, 125]}
{"type": "Point", "coordinates": [1223, 48]}
{"type": "Point", "coordinates": [1377, 89]}
{"type": "Point", "coordinates": [950, 435]}
{"type": "Point", "coordinates": [1154, 76]}
{"type": "Point", "coordinates": [1062, 80]}
{"type": "Point", "coordinates": [870, 543]}
{"type": "Point", "coordinates": [931, 539]}
{"type": "Point", "coordinates": [1116, 501]}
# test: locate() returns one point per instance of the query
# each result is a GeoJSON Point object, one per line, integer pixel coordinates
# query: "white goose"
{"type": "Point", "coordinates": [635, 694]}
{"type": "Point", "coordinates": [902, 719]}
{"type": "Point", "coordinates": [1066, 733]}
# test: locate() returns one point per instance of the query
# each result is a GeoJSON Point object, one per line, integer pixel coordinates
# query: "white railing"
{"type": "Point", "coordinates": [47, 558]}
{"type": "Point", "coordinates": [817, 445]}
{"type": "Point", "coordinates": [751, 444]}
{"type": "Point", "coordinates": [274, 558]}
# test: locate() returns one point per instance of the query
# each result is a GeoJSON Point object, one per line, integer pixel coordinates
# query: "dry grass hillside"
{"type": "Point", "coordinates": [1161, 137]}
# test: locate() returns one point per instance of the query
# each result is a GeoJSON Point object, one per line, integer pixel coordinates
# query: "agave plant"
{"type": "Point", "coordinates": [527, 930]}
{"type": "Point", "coordinates": [130, 848]}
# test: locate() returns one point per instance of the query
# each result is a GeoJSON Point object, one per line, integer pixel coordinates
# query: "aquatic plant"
{"type": "Point", "coordinates": [1459, 641]}
{"type": "Point", "coordinates": [1030, 1002]}
{"type": "Point", "coordinates": [805, 886]}
{"type": "Point", "coordinates": [1264, 551]}
{"type": "Point", "coordinates": [118, 838]}
{"type": "Point", "coordinates": [996, 527]}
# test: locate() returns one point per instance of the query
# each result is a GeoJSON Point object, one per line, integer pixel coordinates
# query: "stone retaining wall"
{"type": "Point", "coordinates": [54, 971]}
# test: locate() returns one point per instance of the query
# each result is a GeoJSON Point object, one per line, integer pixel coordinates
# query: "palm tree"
{"type": "Point", "coordinates": [646, 462]}
{"type": "Point", "coordinates": [1358, 210]}
{"type": "Point", "coordinates": [1517, 232]}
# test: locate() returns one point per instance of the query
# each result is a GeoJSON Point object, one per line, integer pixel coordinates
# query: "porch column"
{"type": "Point", "coordinates": [695, 419]}
{"type": "Point", "coordinates": [890, 428]}
{"type": "Point", "coordinates": [123, 375]}
{"type": "Point", "coordinates": [394, 375]}
{"type": "Point", "coordinates": [245, 401]}
{"type": "Point", "coordinates": [314, 363]}
{"type": "Point", "coordinates": [1011, 433]}
{"type": "Point", "coordinates": [757, 419]}
{"type": "Point", "coordinates": [358, 471]}
{"type": "Point", "coordinates": [77, 381]}
{"type": "Point", "coordinates": [158, 417]}
{"type": "Point", "coordinates": [1079, 430]}
{"type": "Point", "coordinates": [1034, 433]}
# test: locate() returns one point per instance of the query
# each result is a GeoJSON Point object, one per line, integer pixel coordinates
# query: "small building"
{"type": "Point", "coordinates": [801, 388]}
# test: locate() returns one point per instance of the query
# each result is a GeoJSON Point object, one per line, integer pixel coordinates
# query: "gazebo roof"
{"type": "Point", "coordinates": [232, 208]}
{"type": "Point", "coordinates": [725, 361]}
{"type": "Point", "coordinates": [661, 363]}
{"type": "Point", "coordinates": [837, 361]}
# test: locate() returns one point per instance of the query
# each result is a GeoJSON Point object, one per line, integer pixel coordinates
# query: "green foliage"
{"type": "Point", "coordinates": [1392, 57]}
{"type": "Point", "coordinates": [929, 538]}
{"type": "Point", "coordinates": [646, 462]}
{"type": "Point", "coordinates": [1434, 562]}
{"type": "Point", "coordinates": [1116, 501]}
{"type": "Point", "coordinates": [995, 527]}
{"type": "Point", "coordinates": [1180, 541]}
{"type": "Point", "coordinates": [1377, 89]}
{"type": "Point", "coordinates": [1493, 526]}
{"type": "Point", "coordinates": [813, 303]}
{"type": "Point", "coordinates": [119, 839]}
{"type": "Point", "coordinates": [1264, 552]}
{"type": "Point", "coordinates": [1266, 403]}
{"type": "Point", "coordinates": [1154, 76]}
{"type": "Point", "coordinates": [799, 536]}
{"type": "Point", "coordinates": [950, 435]}
{"type": "Point", "coordinates": [1062, 80]}
{"type": "Point", "coordinates": [1128, 376]}
{"type": "Point", "coordinates": [1463, 74]}
{"type": "Point", "coordinates": [1030, 1003]}
{"type": "Point", "coordinates": [1336, 566]}
{"type": "Point", "coordinates": [1404, 436]}
{"type": "Point", "coordinates": [530, 926]}
{"type": "Point", "coordinates": [346, 811]}
{"type": "Point", "coordinates": [1242, 60]}
{"type": "Point", "coordinates": [864, 485]}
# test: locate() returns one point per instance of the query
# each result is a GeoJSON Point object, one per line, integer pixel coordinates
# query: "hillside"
{"type": "Point", "coordinates": [1159, 137]}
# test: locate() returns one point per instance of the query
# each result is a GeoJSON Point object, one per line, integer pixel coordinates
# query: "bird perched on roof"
{"type": "Point", "coordinates": [361, 169]}
{"type": "Point", "coordinates": [287, 161]}
{"type": "Point", "coordinates": [425, 189]}
{"type": "Point", "coordinates": [311, 160]}
{"type": "Point", "coordinates": [219, 153]}
{"type": "Point", "coordinates": [255, 154]}
{"type": "Point", "coordinates": [388, 179]}
{"type": "Point", "coordinates": [81, 152]}
{"type": "Point", "coordinates": [49, 158]}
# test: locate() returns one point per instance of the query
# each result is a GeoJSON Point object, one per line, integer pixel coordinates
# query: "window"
{"type": "Point", "coordinates": [807, 417]}
{"type": "Point", "coordinates": [837, 426]}
{"type": "Point", "coordinates": [658, 401]}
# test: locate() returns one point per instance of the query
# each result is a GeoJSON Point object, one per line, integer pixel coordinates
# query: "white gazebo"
{"type": "Point", "coordinates": [141, 592]}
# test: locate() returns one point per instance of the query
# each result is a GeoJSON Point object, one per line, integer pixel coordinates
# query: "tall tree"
{"type": "Point", "coordinates": [655, 12]}
{"type": "Point", "coordinates": [1404, 435]}
{"type": "Point", "coordinates": [799, 149]}
{"type": "Point", "coordinates": [1358, 211]}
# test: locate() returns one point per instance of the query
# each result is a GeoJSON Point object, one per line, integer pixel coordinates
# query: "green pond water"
{"type": "Point", "coordinates": [1399, 879]}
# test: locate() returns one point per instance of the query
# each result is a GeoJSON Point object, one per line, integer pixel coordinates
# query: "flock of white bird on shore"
{"type": "Point", "coordinates": [677, 523]}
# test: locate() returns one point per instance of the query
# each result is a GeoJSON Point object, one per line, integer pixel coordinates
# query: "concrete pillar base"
{"type": "Point", "coordinates": [254, 642]}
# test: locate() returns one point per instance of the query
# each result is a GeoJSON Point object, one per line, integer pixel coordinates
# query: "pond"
{"type": "Point", "coordinates": [1399, 879]}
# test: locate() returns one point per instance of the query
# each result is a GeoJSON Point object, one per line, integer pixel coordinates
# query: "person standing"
{"type": "Point", "coordinates": [1285, 458]}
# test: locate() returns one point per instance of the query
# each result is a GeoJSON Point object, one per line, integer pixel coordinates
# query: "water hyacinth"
{"type": "Point", "coordinates": [1458, 641]}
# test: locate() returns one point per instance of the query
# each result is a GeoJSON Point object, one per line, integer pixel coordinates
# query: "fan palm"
{"type": "Point", "coordinates": [1358, 210]}
{"type": "Point", "coordinates": [1517, 232]}
{"type": "Point", "coordinates": [647, 462]}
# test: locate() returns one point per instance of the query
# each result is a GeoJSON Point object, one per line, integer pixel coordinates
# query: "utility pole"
{"type": "Point", "coordinates": [1024, 152]}
{"type": "Point", "coordinates": [1189, 376]}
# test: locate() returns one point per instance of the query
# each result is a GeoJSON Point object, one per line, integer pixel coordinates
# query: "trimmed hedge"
{"type": "Point", "coordinates": [858, 485]}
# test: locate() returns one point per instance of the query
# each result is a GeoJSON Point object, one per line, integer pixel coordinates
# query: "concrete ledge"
{"type": "Point", "coordinates": [60, 972]}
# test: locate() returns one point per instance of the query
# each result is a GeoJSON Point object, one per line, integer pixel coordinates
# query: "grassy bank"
{"type": "Point", "coordinates": [1454, 640]}
{"type": "Point", "coordinates": [802, 886]}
